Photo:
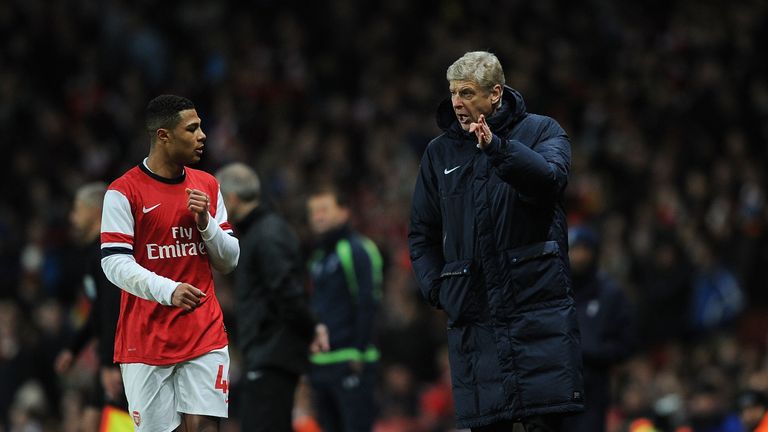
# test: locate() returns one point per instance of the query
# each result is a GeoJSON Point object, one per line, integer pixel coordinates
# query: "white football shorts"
{"type": "Point", "coordinates": [158, 395]}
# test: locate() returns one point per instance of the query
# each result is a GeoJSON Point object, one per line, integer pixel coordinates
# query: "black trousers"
{"type": "Point", "coordinates": [542, 423]}
{"type": "Point", "coordinates": [344, 401]}
{"type": "Point", "coordinates": [267, 400]}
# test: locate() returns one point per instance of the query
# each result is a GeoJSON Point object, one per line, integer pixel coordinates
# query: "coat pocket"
{"type": "Point", "coordinates": [456, 295]}
{"type": "Point", "coordinates": [535, 274]}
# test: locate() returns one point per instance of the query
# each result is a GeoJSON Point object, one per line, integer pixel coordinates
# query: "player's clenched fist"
{"type": "Point", "coordinates": [186, 296]}
{"type": "Point", "coordinates": [199, 204]}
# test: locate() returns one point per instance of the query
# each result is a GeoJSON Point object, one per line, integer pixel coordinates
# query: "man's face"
{"type": "Point", "coordinates": [186, 140]}
{"type": "Point", "coordinates": [469, 101]}
{"type": "Point", "coordinates": [325, 213]}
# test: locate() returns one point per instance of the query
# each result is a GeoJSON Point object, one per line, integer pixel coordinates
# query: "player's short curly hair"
{"type": "Point", "coordinates": [480, 67]}
{"type": "Point", "coordinates": [163, 112]}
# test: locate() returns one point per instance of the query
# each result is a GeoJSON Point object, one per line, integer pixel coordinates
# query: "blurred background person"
{"type": "Point", "coordinates": [104, 310]}
{"type": "Point", "coordinates": [710, 404]}
{"type": "Point", "coordinates": [606, 325]}
{"type": "Point", "coordinates": [346, 274]}
{"type": "Point", "coordinates": [717, 298]}
{"type": "Point", "coordinates": [753, 410]}
{"type": "Point", "coordinates": [274, 323]}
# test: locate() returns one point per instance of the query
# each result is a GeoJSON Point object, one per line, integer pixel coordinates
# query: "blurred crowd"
{"type": "Point", "coordinates": [666, 103]}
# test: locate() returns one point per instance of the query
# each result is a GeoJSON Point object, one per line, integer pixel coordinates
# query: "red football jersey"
{"type": "Point", "coordinates": [147, 216]}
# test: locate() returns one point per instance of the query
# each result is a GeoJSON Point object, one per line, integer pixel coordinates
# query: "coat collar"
{"type": "Point", "coordinates": [250, 219]}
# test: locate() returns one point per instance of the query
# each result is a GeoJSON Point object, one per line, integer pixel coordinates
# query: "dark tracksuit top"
{"type": "Point", "coordinates": [346, 272]}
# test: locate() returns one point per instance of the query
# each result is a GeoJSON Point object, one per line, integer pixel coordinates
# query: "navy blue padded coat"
{"type": "Point", "coordinates": [488, 243]}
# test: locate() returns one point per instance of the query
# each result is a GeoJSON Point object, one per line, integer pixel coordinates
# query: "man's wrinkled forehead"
{"type": "Point", "coordinates": [456, 85]}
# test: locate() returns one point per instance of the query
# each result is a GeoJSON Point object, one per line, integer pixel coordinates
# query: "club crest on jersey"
{"type": "Point", "coordinates": [137, 418]}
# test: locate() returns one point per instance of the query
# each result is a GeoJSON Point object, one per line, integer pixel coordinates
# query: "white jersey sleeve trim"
{"type": "Point", "coordinates": [117, 245]}
{"type": "Point", "coordinates": [116, 215]}
{"type": "Point", "coordinates": [123, 271]}
{"type": "Point", "coordinates": [221, 213]}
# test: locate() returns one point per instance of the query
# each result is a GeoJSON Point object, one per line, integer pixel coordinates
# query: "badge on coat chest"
{"type": "Point", "coordinates": [593, 307]}
{"type": "Point", "coordinates": [325, 267]}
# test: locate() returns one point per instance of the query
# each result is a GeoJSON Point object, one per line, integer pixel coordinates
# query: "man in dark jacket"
{"type": "Point", "coordinates": [488, 242]}
{"type": "Point", "coordinates": [606, 325]}
{"type": "Point", "coordinates": [101, 323]}
{"type": "Point", "coordinates": [275, 325]}
{"type": "Point", "coordinates": [346, 271]}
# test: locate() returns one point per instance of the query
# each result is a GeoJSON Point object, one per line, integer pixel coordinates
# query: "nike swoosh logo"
{"type": "Point", "coordinates": [147, 210]}
{"type": "Point", "coordinates": [448, 171]}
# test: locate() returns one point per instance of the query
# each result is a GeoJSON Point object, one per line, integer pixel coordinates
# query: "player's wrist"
{"type": "Point", "coordinates": [205, 232]}
{"type": "Point", "coordinates": [170, 289]}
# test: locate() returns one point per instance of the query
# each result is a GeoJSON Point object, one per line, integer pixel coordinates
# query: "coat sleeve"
{"type": "Point", "coordinates": [85, 333]}
{"type": "Point", "coordinates": [540, 171]}
{"type": "Point", "coordinates": [368, 274]}
{"type": "Point", "coordinates": [108, 304]}
{"type": "Point", "coordinates": [425, 232]}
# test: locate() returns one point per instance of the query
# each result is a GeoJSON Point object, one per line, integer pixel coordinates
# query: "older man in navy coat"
{"type": "Point", "coordinates": [488, 243]}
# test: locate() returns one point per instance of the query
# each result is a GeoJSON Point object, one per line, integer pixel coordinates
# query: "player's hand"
{"type": "Point", "coordinates": [186, 296]}
{"type": "Point", "coordinates": [199, 204]}
{"type": "Point", "coordinates": [63, 361]}
{"type": "Point", "coordinates": [482, 131]}
{"type": "Point", "coordinates": [321, 342]}
{"type": "Point", "coordinates": [112, 382]}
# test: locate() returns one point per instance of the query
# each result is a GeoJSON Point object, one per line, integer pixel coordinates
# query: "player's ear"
{"type": "Point", "coordinates": [161, 135]}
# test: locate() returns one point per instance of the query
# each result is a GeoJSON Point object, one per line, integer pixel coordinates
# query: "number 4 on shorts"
{"type": "Point", "coordinates": [221, 384]}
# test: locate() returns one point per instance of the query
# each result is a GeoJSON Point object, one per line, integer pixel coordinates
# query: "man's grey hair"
{"type": "Point", "coordinates": [240, 179]}
{"type": "Point", "coordinates": [480, 67]}
{"type": "Point", "coordinates": [92, 194]}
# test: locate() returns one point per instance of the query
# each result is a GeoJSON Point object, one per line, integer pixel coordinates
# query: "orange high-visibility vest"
{"type": "Point", "coordinates": [115, 420]}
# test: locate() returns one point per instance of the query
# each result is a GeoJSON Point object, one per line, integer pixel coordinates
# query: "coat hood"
{"type": "Point", "coordinates": [512, 109]}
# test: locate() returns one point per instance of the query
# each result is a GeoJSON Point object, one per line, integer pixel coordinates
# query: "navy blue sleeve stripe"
{"type": "Point", "coordinates": [105, 252]}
